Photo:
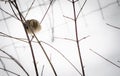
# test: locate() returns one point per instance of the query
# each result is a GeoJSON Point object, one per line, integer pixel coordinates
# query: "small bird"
{"type": "Point", "coordinates": [33, 25]}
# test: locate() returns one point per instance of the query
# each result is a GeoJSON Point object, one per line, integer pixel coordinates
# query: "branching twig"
{"type": "Point", "coordinates": [77, 39]}
{"type": "Point", "coordinates": [25, 40]}
{"type": "Point", "coordinates": [68, 17]}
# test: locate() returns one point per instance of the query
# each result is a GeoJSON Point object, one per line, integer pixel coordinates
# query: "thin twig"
{"type": "Point", "coordinates": [65, 39]}
{"type": "Point", "coordinates": [68, 17]}
{"type": "Point", "coordinates": [29, 8]}
{"type": "Point", "coordinates": [46, 11]}
{"type": "Point", "coordinates": [84, 38]}
{"type": "Point", "coordinates": [113, 26]}
{"type": "Point", "coordinates": [105, 58]}
{"type": "Point", "coordinates": [52, 25]}
{"type": "Point", "coordinates": [72, 39]}
{"type": "Point", "coordinates": [81, 9]}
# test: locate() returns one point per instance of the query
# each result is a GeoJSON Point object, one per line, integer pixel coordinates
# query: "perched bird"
{"type": "Point", "coordinates": [33, 25]}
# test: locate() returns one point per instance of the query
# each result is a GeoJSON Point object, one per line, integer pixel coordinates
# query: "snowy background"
{"type": "Point", "coordinates": [58, 31]}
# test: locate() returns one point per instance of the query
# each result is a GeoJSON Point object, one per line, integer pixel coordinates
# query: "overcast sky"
{"type": "Point", "coordinates": [99, 22]}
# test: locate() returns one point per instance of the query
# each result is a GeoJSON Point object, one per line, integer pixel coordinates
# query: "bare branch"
{"type": "Point", "coordinates": [77, 38]}
{"type": "Point", "coordinates": [105, 58]}
{"type": "Point", "coordinates": [113, 26]}
{"type": "Point", "coordinates": [47, 11]}
{"type": "Point", "coordinates": [29, 8]}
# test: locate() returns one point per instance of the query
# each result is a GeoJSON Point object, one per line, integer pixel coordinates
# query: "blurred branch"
{"type": "Point", "coordinates": [4, 66]}
{"type": "Point", "coordinates": [118, 61]}
{"type": "Point", "coordinates": [105, 58]}
{"type": "Point", "coordinates": [118, 2]}
{"type": "Point", "coordinates": [84, 38]}
{"type": "Point", "coordinates": [100, 9]}
{"type": "Point", "coordinates": [46, 11]}
{"type": "Point", "coordinates": [8, 14]}
{"type": "Point", "coordinates": [21, 11]}
{"type": "Point", "coordinates": [68, 17]}
{"type": "Point", "coordinates": [113, 26]}
{"type": "Point", "coordinates": [5, 57]}
{"type": "Point", "coordinates": [5, 35]}
{"type": "Point", "coordinates": [42, 70]}
{"type": "Point", "coordinates": [65, 39]}
{"type": "Point", "coordinates": [29, 8]}
{"type": "Point", "coordinates": [10, 71]}
{"type": "Point", "coordinates": [15, 61]}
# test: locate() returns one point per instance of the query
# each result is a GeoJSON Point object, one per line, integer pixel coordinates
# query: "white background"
{"type": "Point", "coordinates": [91, 22]}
